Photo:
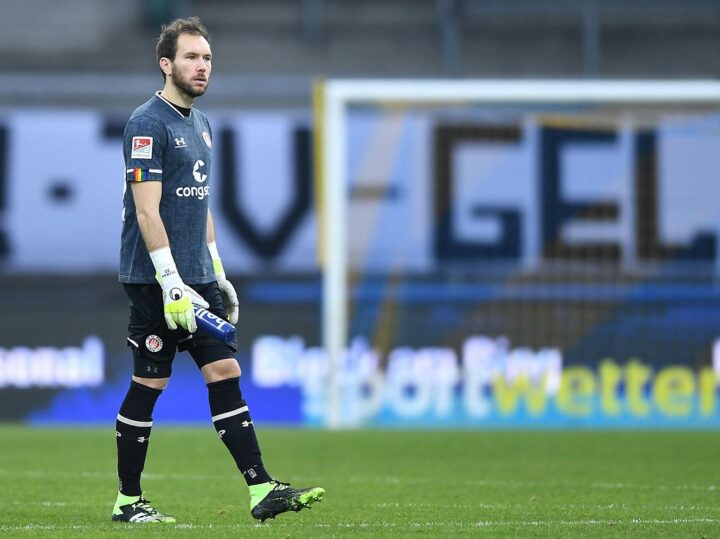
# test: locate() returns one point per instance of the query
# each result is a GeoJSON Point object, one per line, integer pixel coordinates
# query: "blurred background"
{"type": "Point", "coordinates": [536, 265]}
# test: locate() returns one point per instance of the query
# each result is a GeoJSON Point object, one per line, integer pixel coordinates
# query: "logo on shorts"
{"type": "Point", "coordinates": [153, 343]}
{"type": "Point", "coordinates": [141, 148]}
{"type": "Point", "coordinates": [206, 138]}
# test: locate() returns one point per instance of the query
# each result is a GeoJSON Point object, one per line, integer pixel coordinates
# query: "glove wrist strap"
{"type": "Point", "coordinates": [165, 267]}
{"type": "Point", "coordinates": [215, 255]}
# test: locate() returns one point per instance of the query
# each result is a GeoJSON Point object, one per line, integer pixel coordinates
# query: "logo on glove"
{"type": "Point", "coordinates": [176, 294]}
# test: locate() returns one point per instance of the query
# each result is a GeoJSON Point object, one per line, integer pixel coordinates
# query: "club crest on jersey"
{"type": "Point", "coordinates": [206, 138]}
{"type": "Point", "coordinates": [153, 343]}
{"type": "Point", "coordinates": [141, 148]}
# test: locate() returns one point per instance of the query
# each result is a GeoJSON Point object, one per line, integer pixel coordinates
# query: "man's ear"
{"type": "Point", "coordinates": [165, 65]}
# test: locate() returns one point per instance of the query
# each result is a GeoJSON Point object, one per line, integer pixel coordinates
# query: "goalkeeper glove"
{"type": "Point", "coordinates": [178, 298]}
{"type": "Point", "coordinates": [230, 298]}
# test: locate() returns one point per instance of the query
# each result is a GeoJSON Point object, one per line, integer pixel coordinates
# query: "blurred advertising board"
{"type": "Point", "coordinates": [489, 384]}
{"type": "Point", "coordinates": [424, 191]}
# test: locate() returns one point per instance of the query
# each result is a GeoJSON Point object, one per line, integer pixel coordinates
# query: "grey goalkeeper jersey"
{"type": "Point", "coordinates": [162, 145]}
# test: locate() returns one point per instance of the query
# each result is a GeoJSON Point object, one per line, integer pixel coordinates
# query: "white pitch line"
{"type": "Point", "coordinates": [598, 522]}
{"type": "Point", "coordinates": [45, 474]}
{"type": "Point", "coordinates": [50, 504]}
{"type": "Point", "coordinates": [406, 525]}
{"type": "Point", "coordinates": [525, 484]}
{"type": "Point", "coordinates": [481, 505]}
{"type": "Point", "coordinates": [386, 480]}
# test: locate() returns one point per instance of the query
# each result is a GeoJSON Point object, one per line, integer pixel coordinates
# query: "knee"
{"type": "Point", "coordinates": [221, 370]}
{"type": "Point", "coordinates": [155, 383]}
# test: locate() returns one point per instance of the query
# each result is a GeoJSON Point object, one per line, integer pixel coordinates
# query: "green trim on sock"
{"type": "Point", "coordinates": [123, 500]}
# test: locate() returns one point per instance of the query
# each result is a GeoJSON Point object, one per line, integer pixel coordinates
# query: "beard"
{"type": "Point", "coordinates": [185, 87]}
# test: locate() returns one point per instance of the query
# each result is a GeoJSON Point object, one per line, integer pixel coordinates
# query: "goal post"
{"type": "Point", "coordinates": [332, 101]}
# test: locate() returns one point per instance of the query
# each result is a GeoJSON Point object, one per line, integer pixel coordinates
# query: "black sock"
{"type": "Point", "coordinates": [133, 434]}
{"type": "Point", "coordinates": [232, 422]}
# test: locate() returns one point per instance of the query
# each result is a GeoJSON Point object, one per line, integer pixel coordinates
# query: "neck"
{"type": "Point", "coordinates": [175, 96]}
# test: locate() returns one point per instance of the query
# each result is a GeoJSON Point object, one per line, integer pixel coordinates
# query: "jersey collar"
{"type": "Point", "coordinates": [176, 111]}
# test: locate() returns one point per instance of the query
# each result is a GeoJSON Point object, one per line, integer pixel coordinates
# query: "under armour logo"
{"type": "Point", "coordinates": [247, 423]}
{"type": "Point", "coordinates": [142, 439]}
{"type": "Point", "coordinates": [152, 369]}
{"type": "Point", "coordinates": [180, 142]}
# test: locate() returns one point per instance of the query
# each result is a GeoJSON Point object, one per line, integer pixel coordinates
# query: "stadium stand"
{"type": "Point", "coordinates": [282, 45]}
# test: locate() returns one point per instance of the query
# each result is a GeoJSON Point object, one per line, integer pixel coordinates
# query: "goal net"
{"type": "Point", "coordinates": [553, 245]}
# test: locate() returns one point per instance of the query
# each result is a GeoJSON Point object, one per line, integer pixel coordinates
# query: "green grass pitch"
{"type": "Point", "coordinates": [61, 483]}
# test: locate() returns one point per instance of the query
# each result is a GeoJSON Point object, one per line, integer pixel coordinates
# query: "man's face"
{"type": "Point", "coordinates": [192, 65]}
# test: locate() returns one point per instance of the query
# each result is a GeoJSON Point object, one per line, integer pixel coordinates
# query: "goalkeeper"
{"type": "Point", "coordinates": [168, 261]}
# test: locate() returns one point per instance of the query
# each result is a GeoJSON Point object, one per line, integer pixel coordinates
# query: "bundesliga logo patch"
{"type": "Point", "coordinates": [141, 148]}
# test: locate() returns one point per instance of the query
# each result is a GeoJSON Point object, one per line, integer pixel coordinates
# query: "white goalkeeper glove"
{"type": "Point", "coordinates": [230, 299]}
{"type": "Point", "coordinates": [178, 298]}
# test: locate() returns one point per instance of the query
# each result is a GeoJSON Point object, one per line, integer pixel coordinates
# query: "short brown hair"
{"type": "Point", "coordinates": [167, 42]}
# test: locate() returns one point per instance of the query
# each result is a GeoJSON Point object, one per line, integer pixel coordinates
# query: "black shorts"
{"type": "Point", "coordinates": [154, 345]}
